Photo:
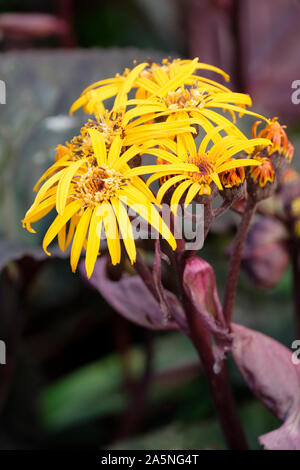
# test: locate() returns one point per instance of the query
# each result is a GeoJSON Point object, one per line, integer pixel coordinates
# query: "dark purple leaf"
{"type": "Point", "coordinates": [130, 297]}
{"type": "Point", "coordinates": [270, 373]}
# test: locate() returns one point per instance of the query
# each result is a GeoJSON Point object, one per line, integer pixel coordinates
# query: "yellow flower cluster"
{"type": "Point", "coordinates": [158, 110]}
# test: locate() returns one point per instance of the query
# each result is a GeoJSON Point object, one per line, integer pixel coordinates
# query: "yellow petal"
{"type": "Point", "coordinates": [147, 169]}
{"type": "Point", "coordinates": [127, 85]}
{"type": "Point", "coordinates": [72, 226]}
{"type": "Point", "coordinates": [125, 228]}
{"type": "Point", "coordinates": [112, 233]}
{"type": "Point", "coordinates": [81, 101]}
{"type": "Point", "coordinates": [177, 195]}
{"type": "Point", "coordinates": [64, 185]}
{"type": "Point", "coordinates": [79, 237]}
{"type": "Point", "coordinates": [93, 242]}
{"type": "Point", "coordinates": [126, 156]}
{"type": "Point", "coordinates": [98, 146]}
{"type": "Point", "coordinates": [151, 215]}
{"type": "Point", "coordinates": [168, 184]}
{"type": "Point", "coordinates": [114, 151]}
{"type": "Point", "coordinates": [59, 222]}
{"type": "Point", "coordinates": [193, 190]}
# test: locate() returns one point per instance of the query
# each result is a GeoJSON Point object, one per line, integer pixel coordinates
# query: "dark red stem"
{"type": "Point", "coordinates": [235, 261]}
{"type": "Point", "coordinates": [219, 383]}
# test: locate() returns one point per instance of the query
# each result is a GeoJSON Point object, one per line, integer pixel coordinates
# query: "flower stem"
{"type": "Point", "coordinates": [235, 260]}
{"type": "Point", "coordinates": [219, 383]}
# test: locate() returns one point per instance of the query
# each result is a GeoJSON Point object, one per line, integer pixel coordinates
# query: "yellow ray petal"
{"type": "Point", "coordinates": [161, 174]}
{"type": "Point", "coordinates": [248, 145]}
{"type": "Point", "coordinates": [93, 242]}
{"type": "Point", "coordinates": [106, 81]}
{"type": "Point", "coordinates": [127, 85]}
{"type": "Point", "coordinates": [98, 146]}
{"type": "Point", "coordinates": [193, 190]}
{"type": "Point", "coordinates": [61, 236]}
{"type": "Point", "coordinates": [126, 157]}
{"type": "Point", "coordinates": [209, 136]}
{"type": "Point", "coordinates": [64, 185]}
{"type": "Point", "coordinates": [168, 184]}
{"type": "Point", "coordinates": [40, 211]}
{"type": "Point", "coordinates": [81, 101]}
{"type": "Point", "coordinates": [238, 162]}
{"type": "Point", "coordinates": [140, 184]}
{"type": "Point", "coordinates": [59, 222]}
{"type": "Point", "coordinates": [44, 189]}
{"type": "Point", "coordinates": [177, 195]}
{"type": "Point", "coordinates": [178, 80]}
{"type": "Point", "coordinates": [114, 151]}
{"type": "Point", "coordinates": [239, 110]}
{"type": "Point", "coordinates": [112, 233]}
{"type": "Point", "coordinates": [125, 228]}
{"type": "Point", "coordinates": [147, 169]}
{"type": "Point", "coordinates": [202, 65]}
{"type": "Point", "coordinates": [59, 164]}
{"type": "Point", "coordinates": [151, 215]}
{"type": "Point", "coordinates": [147, 84]}
{"type": "Point", "coordinates": [72, 226]}
{"type": "Point", "coordinates": [79, 237]}
{"type": "Point", "coordinates": [215, 177]}
{"type": "Point", "coordinates": [163, 155]}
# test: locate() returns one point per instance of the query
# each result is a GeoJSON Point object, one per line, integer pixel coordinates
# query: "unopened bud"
{"type": "Point", "coordinates": [261, 182]}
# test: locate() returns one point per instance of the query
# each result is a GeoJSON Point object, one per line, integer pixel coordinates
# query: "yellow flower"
{"type": "Point", "coordinates": [112, 125]}
{"type": "Point", "coordinates": [209, 162]}
{"type": "Point", "coordinates": [147, 79]}
{"type": "Point", "coordinates": [93, 191]}
{"type": "Point", "coordinates": [200, 104]}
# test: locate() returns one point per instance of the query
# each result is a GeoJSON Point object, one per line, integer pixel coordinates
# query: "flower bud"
{"type": "Point", "coordinates": [261, 182]}
{"type": "Point", "coordinates": [282, 151]}
{"type": "Point", "coordinates": [233, 182]}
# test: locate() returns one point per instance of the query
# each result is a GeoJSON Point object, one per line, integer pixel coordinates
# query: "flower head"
{"type": "Point", "coordinates": [147, 79]}
{"type": "Point", "coordinates": [94, 191]}
{"type": "Point", "coordinates": [210, 163]}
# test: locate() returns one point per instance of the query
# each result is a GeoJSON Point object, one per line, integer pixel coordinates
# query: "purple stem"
{"type": "Point", "coordinates": [235, 261]}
